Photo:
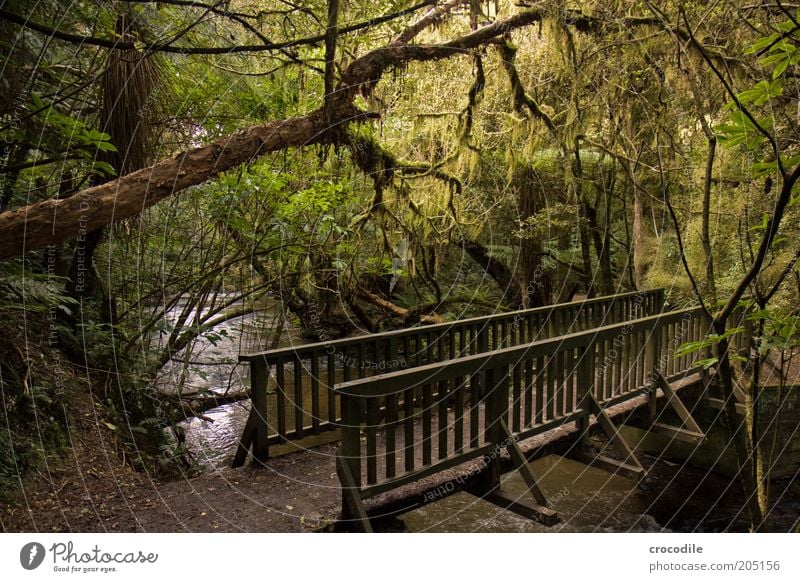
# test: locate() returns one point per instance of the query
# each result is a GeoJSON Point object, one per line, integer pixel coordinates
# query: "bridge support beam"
{"type": "Point", "coordinates": [690, 431]}
{"type": "Point", "coordinates": [488, 487]}
{"type": "Point", "coordinates": [353, 510]}
{"type": "Point", "coordinates": [538, 511]}
{"type": "Point", "coordinates": [630, 466]}
{"type": "Point", "coordinates": [256, 429]}
{"type": "Point", "coordinates": [248, 436]}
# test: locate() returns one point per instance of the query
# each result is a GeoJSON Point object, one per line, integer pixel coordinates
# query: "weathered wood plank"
{"type": "Point", "coordinates": [352, 504]}
{"type": "Point", "coordinates": [677, 405]}
{"type": "Point", "coordinates": [521, 507]}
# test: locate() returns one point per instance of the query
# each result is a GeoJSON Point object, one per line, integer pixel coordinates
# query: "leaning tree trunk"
{"type": "Point", "coordinates": [738, 429]}
{"type": "Point", "coordinates": [497, 270]}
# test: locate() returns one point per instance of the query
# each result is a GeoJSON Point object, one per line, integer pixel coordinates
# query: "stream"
{"type": "Point", "coordinates": [214, 367]}
{"type": "Point", "coordinates": [672, 498]}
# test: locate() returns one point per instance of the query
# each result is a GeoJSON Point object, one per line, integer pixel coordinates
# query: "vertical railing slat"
{"type": "Point", "coordinates": [280, 394]}
{"type": "Point", "coordinates": [528, 383]}
{"type": "Point", "coordinates": [427, 404]}
{"type": "Point", "coordinates": [298, 396]}
{"type": "Point", "coordinates": [408, 428]}
{"type": "Point", "coordinates": [370, 431]}
{"type": "Point", "coordinates": [458, 413]}
{"type": "Point", "coordinates": [390, 437]}
{"type": "Point", "coordinates": [443, 398]}
{"type": "Point", "coordinates": [516, 394]}
{"type": "Point", "coordinates": [539, 408]}
{"type": "Point", "coordinates": [569, 381]}
{"type": "Point", "coordinates": [474, 408]}
{"type": "Point", "coordinates": [315, 396]}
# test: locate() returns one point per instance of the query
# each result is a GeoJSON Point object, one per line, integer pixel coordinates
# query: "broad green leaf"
{"type": "Point", "coordinates": [707, 362]}
{"type": "Point", "coordinates": [761, 44]}
{"type": "Point", "coordinates": [710, 340]}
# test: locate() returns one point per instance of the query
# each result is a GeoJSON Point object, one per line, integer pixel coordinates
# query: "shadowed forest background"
{"type": "Point", "coordinates": [169, 167]}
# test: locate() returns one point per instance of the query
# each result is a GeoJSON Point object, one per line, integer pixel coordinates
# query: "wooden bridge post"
{"type": "Point", "coordinates": [653, 367]}
{"type": "Point", "coordinates": [259, 374]}
{"type": "Point", "coordinates": [348, 463]}
{"type": "Point", "coordinates": [256, 430]}
{"type": "Point", "coordinates": [586, 386]}
{"type": "Point", "coordinates": [495, 410]}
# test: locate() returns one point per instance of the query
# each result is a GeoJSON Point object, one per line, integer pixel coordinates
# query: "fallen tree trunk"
{"type": "Point", "coordinates": [53, 221]}
{"type": "Point", "coordinates": [398, 311]}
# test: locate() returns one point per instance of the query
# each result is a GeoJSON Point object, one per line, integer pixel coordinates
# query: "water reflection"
{"type": "Point", "coordinates": [213, 366]}
{"type": "Point", "coordinates": [586, 499]}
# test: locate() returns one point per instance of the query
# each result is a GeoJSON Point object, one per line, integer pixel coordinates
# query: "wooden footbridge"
{"type": "Point", "coordinates": [412, 403]}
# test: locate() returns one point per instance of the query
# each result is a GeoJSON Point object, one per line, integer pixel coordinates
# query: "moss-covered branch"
{"type": "Point", "coordinates": [522, 101]}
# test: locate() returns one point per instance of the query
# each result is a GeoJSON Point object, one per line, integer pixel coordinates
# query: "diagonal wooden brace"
{"type": "Point", "coordinates": [538, 511]}
{"type": "Point", "coordinates": [352, 504]}
{"type": "Point", "coordinates": [691, 431]}
{"type": "Point", "coordinates": [248, 437]}
{"type": "Point", "coordinates": [630, 466]}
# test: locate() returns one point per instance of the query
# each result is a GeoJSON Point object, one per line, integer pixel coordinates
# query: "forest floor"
{"type": "Point", "coordinates": [95, 490]}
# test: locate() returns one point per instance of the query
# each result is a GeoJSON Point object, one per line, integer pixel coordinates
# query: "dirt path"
{"type": "Point", "coordinates": [96, 491]}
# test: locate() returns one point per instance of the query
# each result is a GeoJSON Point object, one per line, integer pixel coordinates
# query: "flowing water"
{"type": "Point", "coordinates": [672, 497]}
{"type": "Point", "coordinates": [586, 499]}
{"type": "Point", "coordinates": [213, 366]}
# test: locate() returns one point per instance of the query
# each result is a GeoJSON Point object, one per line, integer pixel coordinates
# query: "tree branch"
{"type": "Point", "coordinates": [766, 242]}
{"type": "Point", "coordinates": [168, 48]}
{"type": "Point", "coordinates": [433, 16]}
{"type": "Point", "coordinates": [53, 221]}
{"type": "Point", "coordinates": [331, 36]}
{"type": "Point", "coordinates": [522, 100]}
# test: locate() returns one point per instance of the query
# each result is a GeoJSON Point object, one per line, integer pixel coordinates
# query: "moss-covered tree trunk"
{"type": "Point", "coordinates": [534, 283]}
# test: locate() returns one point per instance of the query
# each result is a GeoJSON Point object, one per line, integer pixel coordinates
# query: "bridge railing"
{"type": "Point", "coordinates": [292, 388]}
{"type": "Point", "coordinates": [405, 425]}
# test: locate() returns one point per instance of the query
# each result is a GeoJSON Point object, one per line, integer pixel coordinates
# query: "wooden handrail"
{"type": "Point", "coordinates": [302, 349]}
{"type": "Point", "coordinates": [385, 384]}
